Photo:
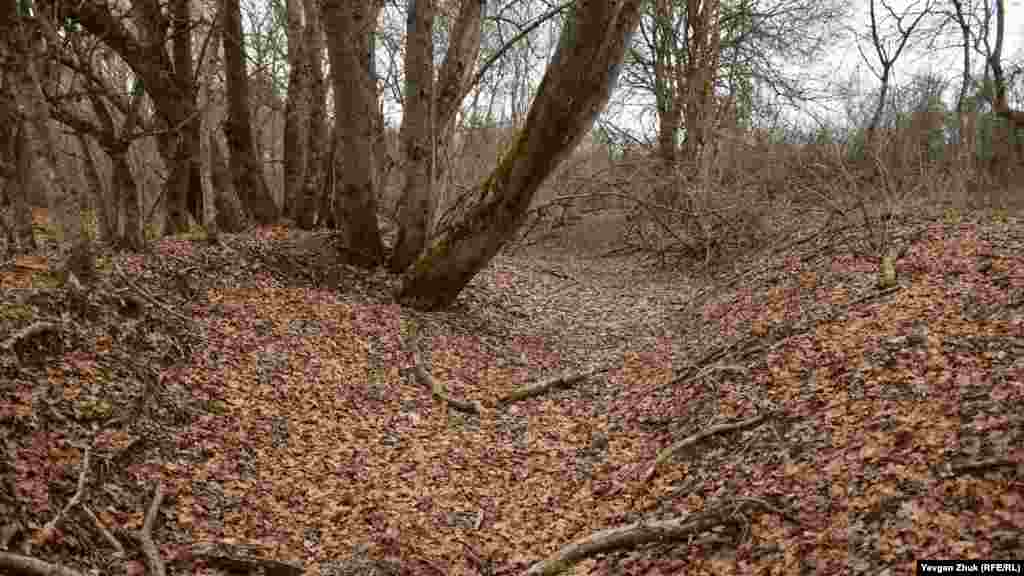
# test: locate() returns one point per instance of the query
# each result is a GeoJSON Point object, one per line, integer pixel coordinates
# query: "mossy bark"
{"type": "Point", "coordinates": [574, 90]}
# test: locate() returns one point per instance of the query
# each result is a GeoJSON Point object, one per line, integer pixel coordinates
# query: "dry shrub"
{"type": "Point", "coordinates": [637, 203]}
{"type": "Point", "coordinates": [759, 189]}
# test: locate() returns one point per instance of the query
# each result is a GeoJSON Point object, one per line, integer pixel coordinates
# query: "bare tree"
{"type": "Point", "coordinates": [37, 151]}
{"type": "Point", "coordinates": [886, 52]}
{"type": "Point", "coordinates": [994, 71]}
{"type": "Point", "coordinates": [430, 122]}
{"type": "Point", "coordinates": [575, 88]}
{"type": "Point", "coordinates": [754, 36]}
{"type": "Point", "coordinates": [349, 27]}
{"type": "Point", "coordinates": [170, 84]}
{"type": "Point", "coordinates": [995, 63]}
{"type": "Point", "coordinates": [455, 79]}
{"type": "Point", "coordinates": [965, 148]}
{"type": "Point", "coordinates": [114, 135]}
{"type": "Point", "coordinates": [246, 168]}
{"type": "Point", "coordinates": [188, 197]}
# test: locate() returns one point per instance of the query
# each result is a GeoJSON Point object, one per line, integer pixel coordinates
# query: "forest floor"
{"type": "Point", "coordinates": [785, 416]}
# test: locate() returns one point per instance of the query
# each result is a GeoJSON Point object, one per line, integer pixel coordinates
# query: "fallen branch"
{"type": "Point", "coordinates": [435, 387]}
{"type": "Point", "coordinates": [560, 382]}
{"type": "Point", "coordinates": [29, 566]}
{"type": "Point", "coordinates": [672, 450]}
{"type": "Point", "coordinates": [638, 534]}
{"type": "Point", "coordinates": [114, 542]}
{"type": "Point", "coordinates": [150, 298]}
{"type": "Point", "coordinates": [240, 558]}
{"type": "Point", "coordinates": [688, 379]}
{"type": "Point", "coordinates": [48, 531]}
{"type": "Point", "coordinates": [145, 536]}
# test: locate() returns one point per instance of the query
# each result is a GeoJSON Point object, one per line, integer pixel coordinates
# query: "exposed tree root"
{"type": "Point", "coordinates": [30, 566]}
{"type": "Point", "coordinates": [640, 533]}
{"type": "Point", "coordinates": [145, 536]}
{"type": "Point", "coordinates": [538, 388]}
{"type": "Point", "coordinates": [667, 453]}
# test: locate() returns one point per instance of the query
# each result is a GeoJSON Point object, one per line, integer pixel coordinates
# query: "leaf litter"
{"type": "Point", "coordinates": [271, 395]}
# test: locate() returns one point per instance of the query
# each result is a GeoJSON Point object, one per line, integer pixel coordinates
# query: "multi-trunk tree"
{"type": "Point", "coordinates": [428, 119]}
{"type": "Point", "coordinates": [574, 90]}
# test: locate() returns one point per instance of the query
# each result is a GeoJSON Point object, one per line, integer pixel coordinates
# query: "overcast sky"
{"type": "Point", "coordinates": [845, 59]}
{"type": "Point", "coordinates": [842, 61]}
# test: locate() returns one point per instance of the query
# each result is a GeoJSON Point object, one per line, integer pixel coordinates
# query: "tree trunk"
{"type": "Point", "coordinates": [664, 76]}
{"type": "Point", "coordinates": [246, 166]}
{"type": "Point", "coordinates": [380, 142]}
{"type": "Point", "coordinates": [106, 215]}
{"type": "Point", "coordinates": [186, 198]}
{"type": "Point", "coordinates": [296, 119]}
{"type": "Point", "coordinates": [575, 88]}
{"type": "Point", "coordinates": [703, 49]}
{"type": "Point", "coordinates": [64, 200]}
{"type": "Point", "coordinates": [124, 224]}
{"type": "Point", "coordinates": [454, 82]}
{"type": "Point", "coordinates": [349, 28]}
{"type": "Point", "coordinates": [1000, 104]}
{"type": "Point", "coordinates": [318, 134]}
{"type": "Point", "coordinates": [19, 185]}
{"type": "Point", "coordinates": [230, 213]}
{"type": "Point", "coordinates": [668, 100]}
{"type": "Point", "coordinates": [126, 190]}
{"type": "Point", "coordinates": [415, 209]}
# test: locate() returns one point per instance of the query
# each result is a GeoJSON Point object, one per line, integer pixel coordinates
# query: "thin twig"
{"type": "Point", "coordinates": [50, 529]}
{"type": "Point", "coordinates": [145, 536]}
{"type": "Point", "coordinates": [691, 440]}
{"type": "Point", "coordinates": [114, 542]}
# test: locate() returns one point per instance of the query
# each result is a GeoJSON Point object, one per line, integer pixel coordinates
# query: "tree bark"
{"type": "Point", "coordinates": [416, 207]}
{"type": "Point", "coordinates": [230, 212]}
{"type": "Point", "coordinates": [349, 28]}
{"type": "Point", "coordinates": [64, 200]}
{"type": "Point", "coordinates": [454, 81]}
{"type": "Point", "coordinates": [106, 219]}
{"type": "Point", "coordinates": [703, 50]}
{"type": "Point", "coordinates": [318, 133]}
{"type": "Point", "coordinates": [14, 154]}
{"type": "Point", "coordinates": [296, 118]}
{"type": "Point", "coordinates": [187, 197]}
{"type": "Point", "coordinates": [246, 167]}
{"type": "Point", "coordinates": [664, 81]}
{"type": "Point", "coordinates": [575, 88]}
{"type": "Point", "coordinates": [19, 184]}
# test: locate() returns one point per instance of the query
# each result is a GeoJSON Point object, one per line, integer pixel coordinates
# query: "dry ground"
{"type": "Point", "coordinates": [270, 395]}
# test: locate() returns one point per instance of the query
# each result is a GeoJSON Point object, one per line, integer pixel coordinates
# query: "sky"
{"type": "Point", "coordinates": [844, 59]}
